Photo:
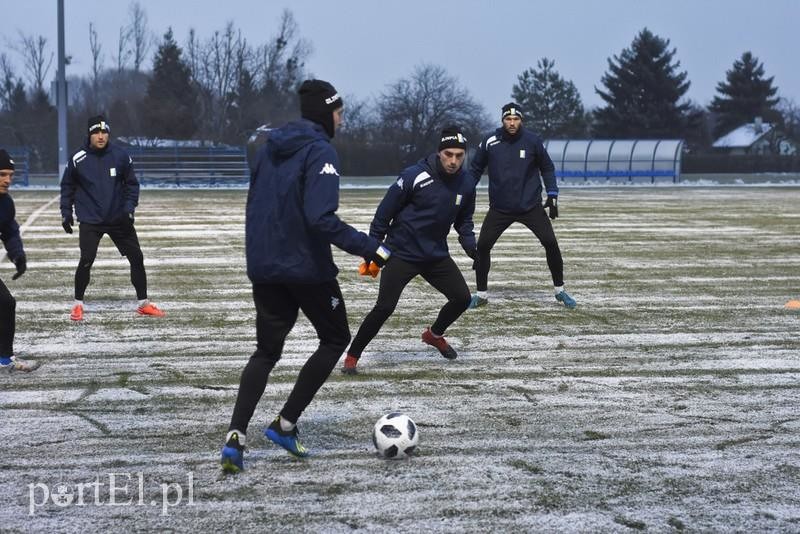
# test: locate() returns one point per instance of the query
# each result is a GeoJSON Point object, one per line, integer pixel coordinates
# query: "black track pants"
{"type": "Point", "coordinates": [127, 243]}
{"type": "Point", "coordinates": [8, 307]}
{"type": "Point", "coordinates": [277, 307]}
{"type": "Point", "coordinates": [444, 275]}
{"type": "Point", "coordinates": [537, 222]}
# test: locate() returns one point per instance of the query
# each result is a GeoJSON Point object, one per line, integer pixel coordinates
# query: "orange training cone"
{"type": "Point", "coordinates": [793, 305]}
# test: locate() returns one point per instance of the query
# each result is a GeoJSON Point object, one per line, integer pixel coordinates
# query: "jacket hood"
{"type": "Point", "coordinates": [294, 136]}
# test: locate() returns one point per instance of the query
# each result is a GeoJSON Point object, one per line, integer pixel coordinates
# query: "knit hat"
{"type": "Point", "coordinates": [6, 163]}
{"type": "Point", "coordinates": [452, 138]}
{"type": "Point", "coordinates": [512, 109]}
{"type": "Point", "coordinates": [97, 123]}
{"type": "Point", "coordinates": [318, 100]}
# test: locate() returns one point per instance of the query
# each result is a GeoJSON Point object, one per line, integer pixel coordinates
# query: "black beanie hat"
{"type": "Point", "coordinates": [452, 138]}
{"type": "Point", "coordinates": [98, 122]}
{"type": "Point", "coordinates": [318, 100]}
{"type": "Point", "coordinates": [6, 163]}
{"type": "Point", "coordinates": [512, 109]}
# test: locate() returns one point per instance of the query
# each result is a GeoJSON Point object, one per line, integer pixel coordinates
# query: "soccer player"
{"type": "Point", "coordinates": [100, 182]}
{"type": "Point", "coordinates": [9, 233]}
{"type": "Point", "coordinates": [518, 163]}
{"type": "Point", "coordinates": [415, 216]}
{"type": "Point", "coordinates": [291, 223]}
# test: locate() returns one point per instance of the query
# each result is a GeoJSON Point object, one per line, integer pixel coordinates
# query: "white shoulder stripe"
{"type": "Point", "coordinates": [420, 178]}
{"type": "Point", "coordinates": [78, 156]}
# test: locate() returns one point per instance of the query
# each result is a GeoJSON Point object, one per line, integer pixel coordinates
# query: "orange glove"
{"type": "Point", "coordinates": [370, 269]}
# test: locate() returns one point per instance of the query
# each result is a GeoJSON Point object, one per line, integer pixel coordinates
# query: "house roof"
{"type": "Point", "coordinates": [743, 136]}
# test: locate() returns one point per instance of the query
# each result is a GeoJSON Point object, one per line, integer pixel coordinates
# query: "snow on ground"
{"type": "Point", "coordinates": [666, 402]}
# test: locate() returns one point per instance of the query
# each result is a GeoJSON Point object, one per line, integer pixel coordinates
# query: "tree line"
{"type": "Point", "coordinates": [219, 89]}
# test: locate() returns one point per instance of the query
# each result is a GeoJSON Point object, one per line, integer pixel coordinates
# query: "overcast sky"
{"type": "Point", "coordinates": [363, 45]}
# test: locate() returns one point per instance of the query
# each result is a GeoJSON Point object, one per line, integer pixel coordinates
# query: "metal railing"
{"type": "Point", "coordinates": [190, 166]}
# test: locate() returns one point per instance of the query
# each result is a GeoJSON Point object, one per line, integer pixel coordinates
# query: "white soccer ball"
{"type": "Point", "coordinates": [395, 436]}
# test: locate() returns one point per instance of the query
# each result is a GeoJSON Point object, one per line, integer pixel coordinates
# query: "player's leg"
{"type": "Point", "coordinates": [394, 277]}
{"type": "Point", "coordinates": [493, 226]}
{"type": "Point", "coordinates": [539, 223]}
{"type": "Point", "coordinates": [8, 307]}
{"type": "Point", "coordinates": [324, 307]}
{"type": "Point", "coordinates": [127, 243]}
{"type": "Point", "coordinates": [446, 277]}
{"type": "Point", "coordinates": [89, 236]}
{"type": "Point", "coordinates": [276, 314]}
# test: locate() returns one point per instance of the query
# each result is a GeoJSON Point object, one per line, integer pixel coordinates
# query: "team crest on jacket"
{"type": "Point", "coordinates": [328, 168]}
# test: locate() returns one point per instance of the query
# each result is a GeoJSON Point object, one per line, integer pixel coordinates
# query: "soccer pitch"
{"type": "Point", "coordinates": [667, 401]}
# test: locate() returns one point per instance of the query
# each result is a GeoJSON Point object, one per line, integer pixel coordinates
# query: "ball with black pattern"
{"type": "Point", "coordinates": [395, 436]}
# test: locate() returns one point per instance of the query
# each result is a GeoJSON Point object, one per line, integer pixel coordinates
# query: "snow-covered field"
{"type": "Point", "coordinates": [668, 401]}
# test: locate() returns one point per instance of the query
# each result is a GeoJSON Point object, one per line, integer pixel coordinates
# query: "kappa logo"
{"type": "Point", "coordinates": [400, 183]}
{"type": "Point", "coordinates": [458, 200]}
{"type": "Point", "coordinates": [328, 168]}
{"type": "Point", "coordinates": [334, 303]}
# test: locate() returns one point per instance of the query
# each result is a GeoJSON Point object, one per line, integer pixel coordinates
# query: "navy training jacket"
{"type": "Point", "coordinates": [291, 218]}
{"type": "Point", "coordinates": [517, 167]}
{"type": "Point", "coordinates": [101, 184]}
{"type": "Point", "coordinates": [417, 211]}
{"type": "Point", "coordinates": [9, 229]}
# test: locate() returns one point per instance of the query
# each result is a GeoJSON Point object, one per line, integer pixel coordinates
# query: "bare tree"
{"type": "Point", "coordinates": [36, 59]}
{"type": "Point", "coordinates": [8, 82]}
{"type": "Point", "coordinates": [279, 63]}
{"type": "Point", "coordinates": [97, 60]}
{"type": "Point", "coordinates": [413, 110]}
{"type": "Point", "coordinates": [141, 38]}
{"type": "Point", "coordinates": [123, 53]}
{"type": "Point", "coordinates": [216, 67]}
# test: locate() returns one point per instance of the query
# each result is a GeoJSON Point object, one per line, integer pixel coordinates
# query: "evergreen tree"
{"type": "Point", "coordinates": [551, 106]}
{"type": "Point", "coordinates": [642, 92]}
{"type": "Point", "coordinates": [168, 105]}
{"type": "Point", "coordinates": [745, 95]}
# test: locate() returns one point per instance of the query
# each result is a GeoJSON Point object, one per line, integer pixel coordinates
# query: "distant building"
{"type": "Point", "coordinates": [756, 138]}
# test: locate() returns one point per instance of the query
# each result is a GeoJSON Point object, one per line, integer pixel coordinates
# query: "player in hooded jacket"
{"type": "Point", "coordinates": [100, 182]}
{"type": "Point", "coordinates": [415, 217]}
{"type": "Point", "coordinates": [291, 223]}
{"type": "Point", "coordinates": [518, 164]}
{"type": "Point", "coordinates": [9, 234]}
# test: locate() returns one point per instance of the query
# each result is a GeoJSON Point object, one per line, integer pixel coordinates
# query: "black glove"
{"type": "Point", "coordinates": [379, 257]}
{"type": "Point", "coordinates": [22, 266]}
{"type": "Point", "coordinates": [66, 223]}
{"type": "Point", "coordinates": [552, 203]}
{"type": "Point", "coordinates": [473, 254]}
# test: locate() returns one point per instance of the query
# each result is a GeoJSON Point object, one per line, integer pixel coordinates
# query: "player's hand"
{"type": "Point", "coordinates": [552, 203]}
{"type": "Point", "coordinates": [22, 266]}
{"type": "Point", "coordinates": [369, 268]}
{"type": "Point", "coordinates": [380, 256]}
{"type": "Point", "coordinates": [473, 254]}
{"type": "Point", "coordinates": [66, 223]}
{"type": "Point", "coordinates": [130, 219]}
